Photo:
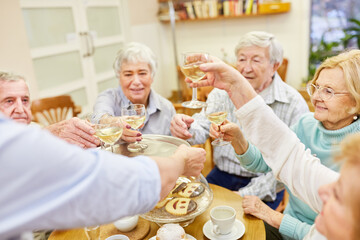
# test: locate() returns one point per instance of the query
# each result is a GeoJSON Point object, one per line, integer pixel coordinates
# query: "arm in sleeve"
{"type": "Point", "coordinates": [293, 227]}
{"type": "Point", "coordinates": [105, 104]}
{"type": "Point", "coordinates": [263, 186]}
{"type": "Point", "coordinates": [62, 186]}
{"type": "Point", "coordinates": [284, 153]}
{"type": "Point", "coordinates": [252, 160]}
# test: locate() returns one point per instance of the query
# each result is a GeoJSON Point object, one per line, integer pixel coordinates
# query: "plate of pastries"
{"type": "Point", "coordinates": [189, 198]}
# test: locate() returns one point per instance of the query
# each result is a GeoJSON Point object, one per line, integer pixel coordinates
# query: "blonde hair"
{"type": "Point", "coordinates": [349, 62]}
{"type": "Point", "coordinates": [350, 148]}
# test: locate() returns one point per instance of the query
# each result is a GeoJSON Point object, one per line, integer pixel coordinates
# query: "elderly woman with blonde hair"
{"type": "Point", "coordinates": [335, 94]}
{"type": "Point", "coordinates": [335, 196]}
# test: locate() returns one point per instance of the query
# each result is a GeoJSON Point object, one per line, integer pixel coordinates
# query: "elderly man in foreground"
{"type": "Point", "coordinates": [15, 104]}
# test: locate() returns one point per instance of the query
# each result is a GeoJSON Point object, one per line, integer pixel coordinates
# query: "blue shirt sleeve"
{"type": "Point", "coordinates": [252, 160]}
{"type": "Point", "coordinates": [47, 183]}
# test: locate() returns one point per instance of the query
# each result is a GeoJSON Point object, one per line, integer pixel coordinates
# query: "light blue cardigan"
{"type": "Point", "coordinates": [298, 217]}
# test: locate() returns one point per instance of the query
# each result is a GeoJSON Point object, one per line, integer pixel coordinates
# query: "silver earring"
{"type": "Point", "coordinates": [355, 118]}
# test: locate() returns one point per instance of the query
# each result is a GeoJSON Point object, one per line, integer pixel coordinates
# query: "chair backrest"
{"type": "Point", "coordinates": [283, 69]}
{"type": "Point", "coordinates": [47, 111]}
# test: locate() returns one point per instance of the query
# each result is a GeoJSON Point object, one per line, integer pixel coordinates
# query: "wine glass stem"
{"type": "Point", "coordinates": [112, 148]}
{"type": "Point", "coordinates": [221, 136]}
{"type": "Point", "coordinates": [194, 95]}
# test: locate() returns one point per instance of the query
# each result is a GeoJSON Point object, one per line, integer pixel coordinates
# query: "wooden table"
{"type": "Point", "coordinates": [254, 227]}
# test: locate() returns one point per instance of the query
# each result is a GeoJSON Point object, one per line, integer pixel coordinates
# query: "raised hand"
{"type": "Point", "coordinates": [180, 124]}
{"type": "Point", "coordinates": [194, 159]}
{"type": "Point", "coordinates": [75, 131]}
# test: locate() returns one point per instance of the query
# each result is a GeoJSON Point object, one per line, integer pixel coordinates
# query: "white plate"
{"type": "Point", "coordinates": [237, 231]}
{"type": "Point", "coordinates": [187, 236]}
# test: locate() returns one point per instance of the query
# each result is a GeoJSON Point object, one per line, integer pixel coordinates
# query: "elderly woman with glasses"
{"type": "Point", "coordinates": [135, 66]}
{"type": "Point", "coordinates": [335, 94]}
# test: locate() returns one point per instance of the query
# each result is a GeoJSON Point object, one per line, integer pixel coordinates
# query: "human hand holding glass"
{"type": "Point", "coordinates": [216, 112]}
{"type": "Point", "coordinates": [109, 131]}
{"type": "Point", "coordinates": [190, 67]}
{"type": "Point", "coordinates": [135, 115]}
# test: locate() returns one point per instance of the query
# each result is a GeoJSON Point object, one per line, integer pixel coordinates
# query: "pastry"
{"type": "Point", "coordinates": [180, 206]}
{"type": "Point", "coordinates": [192, 190]}
{"type": "Point", "coordinates": [162, 203]}
{"type": "Point", "coordinates": [170, 232]}
{"type": "Point", "coordinates": [179, 187]}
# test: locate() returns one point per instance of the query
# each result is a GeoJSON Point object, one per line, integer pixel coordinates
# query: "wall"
{"type": "Point", "coordinates": [14, 48]}
{"type": "Point", "coordinates": [291, 29]}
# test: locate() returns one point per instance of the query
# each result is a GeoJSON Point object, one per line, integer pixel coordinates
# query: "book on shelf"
{"type": "Point", "coordinates": [248, 7]}
{"type": "Point", "coordinates": [189, 10]}
{"type": "Point", "coordinates": [198, 9]}
{"type": "Point", "coordinates": [255, 7]}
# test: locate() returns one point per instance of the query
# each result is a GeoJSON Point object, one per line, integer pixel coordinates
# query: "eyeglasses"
{"type": "Point", "coordinates": [325, 93]}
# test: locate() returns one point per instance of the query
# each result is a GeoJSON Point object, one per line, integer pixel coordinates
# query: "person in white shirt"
{"type": "Point", "coordinates": [335, 196]}
{"type": "Point", "coordinates": [47, 183]}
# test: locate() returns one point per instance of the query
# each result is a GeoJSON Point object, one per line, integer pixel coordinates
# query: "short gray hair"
{"type": "Point", "coordinates": [10, 77]}
{"type": "Point", "coordinates": [134, 52]}
{"type": "Point", "coordinates": [262, 39]}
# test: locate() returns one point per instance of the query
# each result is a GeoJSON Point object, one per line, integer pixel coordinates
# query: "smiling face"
{"type": "Point", "coordinates": [336, 220]}
{"type": "Point", "coordinates": [135, 81]}
{"type": "Point", "coordinates": [333, 113]}
{"type": "Point", "coordinates": [254, 64]}
{"type": "Point", "coordinates": [15, 101]}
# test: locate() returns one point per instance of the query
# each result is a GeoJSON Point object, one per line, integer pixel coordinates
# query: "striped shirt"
{"type": "Point", "coordinates": [288, 105]}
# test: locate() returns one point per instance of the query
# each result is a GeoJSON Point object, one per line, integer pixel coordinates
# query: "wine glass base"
{"type": "Point", "coordinates": [219, 142]}
{"type": "Point", "coordinates": [194, 104]}
{"type": "Point", "coordinates": [137, 147]}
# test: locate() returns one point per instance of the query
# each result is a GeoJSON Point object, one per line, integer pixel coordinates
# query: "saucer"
{"type": "Point", "coordinates": [188, 236]}
{"type": "Point", "coordinates": [237, 231]}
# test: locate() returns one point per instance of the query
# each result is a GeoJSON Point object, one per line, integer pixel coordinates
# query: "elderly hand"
{"type": "Point", "coordinates": [75, 131]}
{"type": "Point", "coordinates": [231, 133]}
{"type": "Point", "coordinates": [254, 206]}
{"type": "Point", "coordinates": [128, 134]}
{"type": "Point", "coordinates": [180, 124]}
{"type": "Point", "coordinates": [193, 158]}
{"type": "Point", "coordinates": [223, 76]}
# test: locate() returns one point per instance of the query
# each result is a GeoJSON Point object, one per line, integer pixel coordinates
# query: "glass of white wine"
{"type": "Point", "coordinates": [216, 112]}
{"type": "Point", "coordinates": [190, 67]}
{"type": "Point", "coordinates": [135, 115]}
{"type": "Point", "coordinates": [109, 132]}
{"type": "Point", "coordinates": [92, 232]}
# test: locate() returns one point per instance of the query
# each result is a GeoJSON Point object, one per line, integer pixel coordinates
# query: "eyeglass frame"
{"type": "Point", "coordinates": [319, 88]}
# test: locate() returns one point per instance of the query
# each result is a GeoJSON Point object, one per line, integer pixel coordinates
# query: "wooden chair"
{"type": "Point", "coordinates": [283, 69]}
{"type": "Point", "coordinates": [47, 111]}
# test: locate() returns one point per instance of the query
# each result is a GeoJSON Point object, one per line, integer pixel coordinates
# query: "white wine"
{"type": "Point", "coordinates": [217, 117]}
{"type": "Point", "coordinates": [135, 121]}
{"type": "Point", "coordinates": [193, 72]}
{"type": "Point", "coordinates": [109, 135]}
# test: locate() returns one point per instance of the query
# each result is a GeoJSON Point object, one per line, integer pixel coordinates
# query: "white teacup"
{"type": "Point", "coordinates": [127, 224]}
{"type": "Point", "coordinates": [223, 219]}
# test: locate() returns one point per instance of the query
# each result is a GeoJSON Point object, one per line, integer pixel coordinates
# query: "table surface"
{"type": "Point", "coordinates": [254, 227]}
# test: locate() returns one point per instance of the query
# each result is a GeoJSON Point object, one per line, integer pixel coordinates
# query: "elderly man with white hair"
{"type": "Point", "coordinates": [135, 66]}
{"type": "Point", "coordinates": [259, 55]}
{"type": "Point", "coordinates": [15, 104]}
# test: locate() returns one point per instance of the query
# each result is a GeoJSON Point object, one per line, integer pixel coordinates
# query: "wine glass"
{"type": "Point", "coordinates": [216, 112]}
{"type": "Point", "coordinates": [109, 131]}
{"type": "Point", "coordinates": [135, 115]}
{"type": "Point", "coordinates": [92, 232]}
{"type": "Point", "coordinates": [190, 67]}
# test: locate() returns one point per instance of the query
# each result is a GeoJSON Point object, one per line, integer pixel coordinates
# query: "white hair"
{"type": "Point", "coordinates": [262, 39]}
{"type": "Point", "coordinates": [10, 77]}
{"type": "Point", "coordinates": [134, 52]}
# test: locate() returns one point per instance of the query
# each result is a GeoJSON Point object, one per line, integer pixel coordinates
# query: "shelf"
{"type": "Point", "coordinates": [264, 9]}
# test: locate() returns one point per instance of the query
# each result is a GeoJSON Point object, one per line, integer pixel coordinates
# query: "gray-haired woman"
{"type": "Point", "coordinates": [135, 66]}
